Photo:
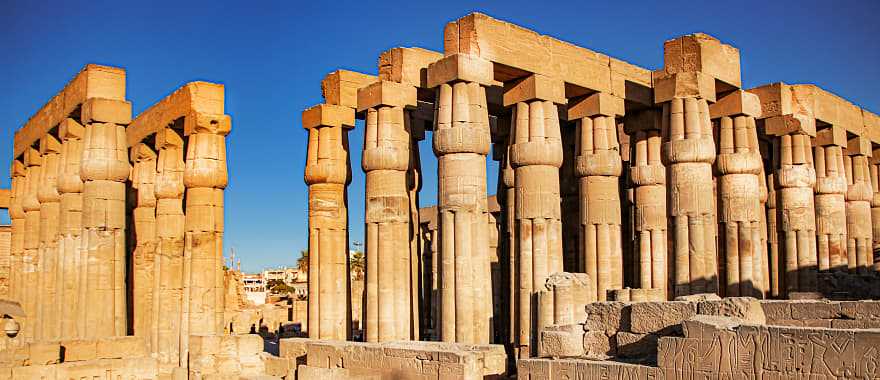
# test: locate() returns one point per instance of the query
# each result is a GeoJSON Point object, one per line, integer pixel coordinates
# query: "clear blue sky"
{"type": "Point", "coordinates": [271, 56]}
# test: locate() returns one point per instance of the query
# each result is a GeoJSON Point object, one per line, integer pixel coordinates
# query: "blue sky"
{"type": "Point", "coordinates": [272, 55]}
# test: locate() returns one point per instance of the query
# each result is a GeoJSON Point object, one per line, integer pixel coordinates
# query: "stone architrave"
{"type": "Point", "coordinates": [387, 160]}
{"type": "Point", "coordinates": [70, 187]}
{"type": "Point", "coordinates": [327, 174]}
{"type": "Point", "coordinates": [535, 149]}
{"type": "Point", "coordinates": [830, 201]}
{"type": "Point", "coordinates": [739, 167]}
{"type": "Point", "coordinates": [461, 143]}
{"type": "Point", "coordinates": [18, 172]}
{"type": "Point", "coordinates": [859, 195]}
{"type": "Point", "coordinates": [648, 177]}
{"type": "Point", "coordinates": [47, 261]}
{"type": "Point", "coordinates": [795, 177]}
{"type": "Point", "coordinates": [31, 205]}
{"type": "Point", "coordinates": [688, 153]}
{"type": "Point", "coordinates": [599, 166]}
{"type": "Point", "coordinates": [145, 292]}
{"type": "Point", "coordinates": [104, 170]}
{"type": "Point", "coordinates": [167, 306]}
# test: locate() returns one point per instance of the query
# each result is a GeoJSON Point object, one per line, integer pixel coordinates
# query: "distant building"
{"type": "Point", "coordinates": [254, 288]}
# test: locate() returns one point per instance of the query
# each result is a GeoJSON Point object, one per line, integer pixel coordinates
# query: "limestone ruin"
{"type": "Point", "coordinates": [647, 224]}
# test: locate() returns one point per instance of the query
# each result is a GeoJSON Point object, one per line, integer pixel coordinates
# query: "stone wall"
{"type": "Point", "coordinates": [122, 357]}
{"type": "Point", "coordinates": [827, 314]}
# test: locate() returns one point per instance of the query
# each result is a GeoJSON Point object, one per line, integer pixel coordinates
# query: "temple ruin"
{"type": "Point", "coordinates": [647, 224]}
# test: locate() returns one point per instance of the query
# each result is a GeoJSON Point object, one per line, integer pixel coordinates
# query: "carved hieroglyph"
{"type": "Point", "coordinates": [739, 168]}
{"type": "Point", "coordinates": [535, 148]}
{"type": "Point", "coordinates": [461, 143]}
{"type": "Point", "coordinates": [796, 218]}
{"type": "Point", "coordinates": [859, 195]}
{"type": "Point", "coordinates": [688, 152]}
{"type": "Point", "coordinates": [386, 162]}
{"type": "Point", "coordinates": [599, 166]}
{"type": "Point", "coordinates": [328, 173]}
{"type": "Point", "coordinates": [648, 177]}
{"type": "Point", "coordinates": [830, 204]}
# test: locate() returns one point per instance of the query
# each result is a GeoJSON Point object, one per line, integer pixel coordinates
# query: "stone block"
{"type": "Point", "coordinates": [80, 350]}
{"type": "Point", "coordinates": [44, 353]}
{"type": "Point", "coordinates": [699, 297]}
{"type": "Point", "coordinates": [636, 346]}
{"type": "Point", "coordinates": [660, 317]}
{"type": "Point", "coordinates": [776, 310]}
{"type": "Point", "coordinates": [340, 87]}
{"type": "Point", "coordinates": [607, 317]}
{"type": "Point", "coordinates": [35, 372]}
{"type": "Point", "coordinates": [831, 135]}
{"type": "Point", "coordinates": [600, 103]}
{"type": "Point", "coordinates": [121, 347]}
{"type": "Point", "coordinates": [407, 65]}
{"type": "Point", "coordinates": [790, 124]}
{"type": "Point", "coordinates": [815, 310]}
{"type": "Point", "coordinates": [865, 309]}
{"type": "Point", "coordinates": [706, 326]}
{"type": "Point", "coordinates": [249, 344]}
{"type": "Point", "coordinates": [386, 93]}
{"type": "Point", "coordinates": [701, 52]}
{"type": "Point", "coordinates": [328, 115]}
{"type": "Point", "coordinates": [461, 67]}
{"type": "Point", "coordinates": [858, 146]}
{"type": "Point", "coordinates": [304, 372]}
{"type": "Point", "coordinates": [599, 346]}
{"type": "Point", "coordinates": [823, 323]}
{"type": "Point", "coordinates": [683, 85]}
{"type": "Point", "coordinates": [776, 99]}
{"type": "Point", "coordinates": [746, 308]}
{"type": "Point", "coordinates": [98, 110]}
{"type": "Point", "coordinates": [534, 87]}
{"type": "Point", "coordinates": [293, 348]}
{"type": "Point", "coordinates": [561, 341]}
{"type": "Point", "coordinates": [276, 366]}
{"type": "Point", "coordinates": [736, 103]}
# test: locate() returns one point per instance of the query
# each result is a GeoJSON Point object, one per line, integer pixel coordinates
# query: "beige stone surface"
{"type": "Point", "coordinates": [659, 317]}
{"type": "Point", "coordinates": [747, 309]}
{"type": "Point", "coordinates": [701, 52]}
{"type": "Point", "coordinates": [340, 87]}
{"type": "Point", "coordinates": [407, 65]}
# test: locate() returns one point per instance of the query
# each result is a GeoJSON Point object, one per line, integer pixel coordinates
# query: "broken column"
{"type": "Point", "coordinates": [648, 176]}
{"type": "Point", "coordinates": [386, 161]}
{"type": "Point", "coordinates": [461, 143]}
{"type": "Point", "coordinates": [47, 261]}
{"type": "Point", "coordinates": [70, 187]}
{"type": "Point", "coordinates": [598, 164]}
{"type": "Point", "coordinates": [739, 167]}
{"type": "Point", "coordinates": [858, 203]}
{"type": "Point", "coordinates": [104, 170]}
{"type": "Point", "coordinates": [535, 155]}
{"type": "Point", "coordinates": [327, 174]}
{"type": "Point", "coordinates": [143, 182]}
{"type": "Point", "coordinates": [830, 199]}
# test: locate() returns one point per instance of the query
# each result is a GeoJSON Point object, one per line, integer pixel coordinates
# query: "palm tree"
{"type": "Point", "coordinates": [357, 264]}
{"type": "Point", "coordinates": [303, 262]}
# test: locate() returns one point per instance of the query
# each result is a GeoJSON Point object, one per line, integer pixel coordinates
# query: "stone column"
{"type": "Point", "coordinates": [70, 226]}
{"type": "Point", "coordinates": [145, 284]}
{"type": "Point", "coordinates": [507, 201]}
{"type": "Point", "coordinates": [386, 161]}
{"type": "Point", "coordinates": [688, 152]}
{"type": "Point", "coordinates": [461, 143]}
{"type": "Point", "coordinates": [328, 173]}
{"type": "Point", "coordinates": [535, 155]}
{"type": "Point", "coordinates": [165, 334]}
{"type": "Point", "coordinates": [599, 167]}
{"type": "Point", "coordinates": [796, 218]}
{"type": "Point", "coordinates": [739, 168]}
{"type": "Point", "coordinates": [858, 203]}
{"type": "Point", "coordinates": [416, 130]}
{"type": "Point", "coordinates": [773, 258]}
{"type": "Point", "coordinates": [205, 177]}
{"type": "Point", "coordinates": [31, 205]}
{"type": "Point", "coordinates": [47, 261]}
{"type": "Point", "coordinates": [763, 247]}
{"type": "Point", "coordinates": [875, 205]}
{"type": "Point", "coordinates": [104, 170]}
{"type": "Point", "coordinates": [649, 181]}
{"type": "Point", "coordinates": [18, 171]}
{"type": "Point", "coordinates": [830, 199]}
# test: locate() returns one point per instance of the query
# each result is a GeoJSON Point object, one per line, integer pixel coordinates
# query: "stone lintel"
{"type": "Point", "coordinates": [167, 136]}
{"type": "Point", "coordinates": [32, 157]}
{"type": "Point", "coordinates": [93, 81]}
{"type": "Point", "coordinates": [872, 126]}
{"type": "Point", "coordinates": [777, 99]}
{"type": "Point", "coordinates": [141, 151]}
{"type": "Point", "coordinates": [386, 93]}
{"type": "Point", "coordinates": [407, 65]}
{"type": "Point", "coordinates": [683, 85]}
{"type": "Point", "coordinates": [534, 87]}
{"type": "Point", "coordinates": [461, 67]}
{"type": "Point", "coordinates": [100, 110]}
{"type": "Point", "coordinates": [790, 124]}
{"type": "Point", "coordinates": [49, 144]}
{"type": "Point", "coordinates": [829, 108]}
{"type": "Point", "coordinates": [700, 52]}
{"type": "Point", "coordinates": [70, 128]}
{"type": "Point", "coordinates": [198, 122]}
{"type": "Point", "coordinates": [328, 115]}
{"type": "Point", "coordinates": [599, 103]}
{"type": "Point", "coordinates": [859, 146]}
{"type": "Point", "coordinates": [194, 98]}
{"type": "Point", "coordinates": [5, 195]}
{"type": "Point", "coordinates": [831, 135]}
{"type": "Point", "coordinates": [340, 87]}
{"type": "Point", "coordinates": [736, 103]}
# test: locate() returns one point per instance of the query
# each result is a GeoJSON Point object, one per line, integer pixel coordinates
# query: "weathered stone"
{"type": "Point", "coordinates": [599, 346]}
{"type": "Point", "coordinates": [815, 310]}
{"type": "Point", "coordinates": [607, 317]}
{"type": "Point", "coordinates": [746, 308]}
{"type": "Point", "coordinates": [640, 346]}
{"type": "Point", "coordinates": [562, 341]}
{"type": "Point", "coordinates": [660, 317]}
{"type": "Point", "coordinates": [45, 353]}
